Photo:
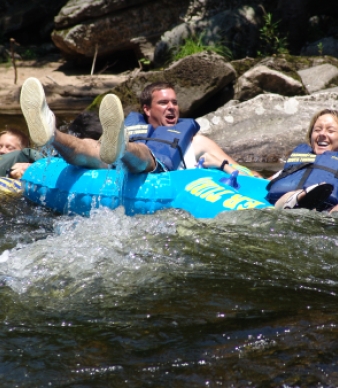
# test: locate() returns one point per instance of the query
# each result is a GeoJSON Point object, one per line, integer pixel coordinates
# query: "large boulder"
{"type": "Point", "coordinates": [261, 79]}
{"type": "Point", "coordinates": [111, 25]}
{"type": "Point", "coordinates": [196, 79]}
{"type": "Point", "coordinates": [266, 128]}
{"type": "Point", "coordinates": [284, 74]}
{"type": "Point", "coordinates": [78, 11]}
{"type": "Point", "coordinates": [237, 29]}
{"type": "Point", "coordinates": [319, 77]}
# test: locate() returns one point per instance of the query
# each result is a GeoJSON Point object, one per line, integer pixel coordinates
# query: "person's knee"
{"type": "Point", "coordinates": [138, 158]}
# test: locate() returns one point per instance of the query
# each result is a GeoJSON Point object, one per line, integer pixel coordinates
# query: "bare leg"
{"type": "Point", "coordinates": [80, 152]}
{"type": "Point", "coordinates": [114, 140]}
{"type": "Point", "coordinates": [138, 158]}
{"type": "Point", "coordinates": [86, 153]}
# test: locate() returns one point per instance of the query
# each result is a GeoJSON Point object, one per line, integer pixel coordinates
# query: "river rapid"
{"type": "Point", "coordinates": [166, 300]}
{"type": "Point", "coordinates": [247, 299]}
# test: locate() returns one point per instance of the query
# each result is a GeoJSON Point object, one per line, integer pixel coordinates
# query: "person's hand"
{"type": "Point", "coordinates": [18, 169]}
{"type": "Point", "coordinates": [256, 174]}
{"type": "Point", "coordinates": [210, 161]}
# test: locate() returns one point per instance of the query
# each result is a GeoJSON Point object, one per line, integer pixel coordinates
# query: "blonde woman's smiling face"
{"type": "Point", "coordinates": [324, 136]}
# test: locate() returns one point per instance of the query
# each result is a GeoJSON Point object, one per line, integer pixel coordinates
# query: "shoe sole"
{"type": "Point", "coordinates": [32, 100]}
{"type": "Point", "coordinates": [112, 121]}
{"type": "Point", "coordinates": [316, 196]}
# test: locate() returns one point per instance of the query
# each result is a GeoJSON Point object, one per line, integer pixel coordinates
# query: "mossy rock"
{"type": "Point", "coordinates": [196, 78]}
{"type": "Point", "coordinates": [291, 64]}
{"type": "Point", "coordinates": [184, 78]}
{"type": "Point", "coordinates": [243, 65]}
{"type": "Point", "coordinates": [305, 62]}
{"type": "Point", "coordinates": [129, 91]}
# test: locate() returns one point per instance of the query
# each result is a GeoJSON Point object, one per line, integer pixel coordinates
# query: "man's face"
{"type": "Point", "coordinates": [9, 143]}
{"type": "Point", "coordinates": [163, 110]}
{"type": "Point", "coordinates": [324, 136]}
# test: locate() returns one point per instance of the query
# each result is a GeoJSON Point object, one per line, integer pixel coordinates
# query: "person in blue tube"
{"type": "Point", "coordinates": [155, 141]}
{"type": "Point", "coordinates": [15, 154]}
{"type": "Point", "coordinates": [309, 178]}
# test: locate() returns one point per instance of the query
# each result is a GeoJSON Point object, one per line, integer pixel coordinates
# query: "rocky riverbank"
{"type": "Point", "coordinates": [67, 89]}
{"type": "Point", "coordinates": [257, 111]}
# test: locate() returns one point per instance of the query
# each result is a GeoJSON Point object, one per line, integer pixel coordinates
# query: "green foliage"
{"type": "Point", "coordinates": [194, 45]}
{"type": "Point", "coordinates": [29, 54]}
{"type": "Point", "coordinates": [145, 61]}
{"type": "Point", "coordinates": [145, 64]}
{"type": "Point", "coordinates": [320, 47]}
{"type": "Point", "coordinates": [271, 42]}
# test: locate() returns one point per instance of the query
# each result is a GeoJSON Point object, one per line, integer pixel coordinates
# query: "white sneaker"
{"type": "Point", "coordinates": [40, 119]}
{"type": "Point", "coordinates": [113, 139]}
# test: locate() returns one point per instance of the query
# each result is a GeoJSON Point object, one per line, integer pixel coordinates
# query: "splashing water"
{"type": "Point", "coordinates": [168, 298]}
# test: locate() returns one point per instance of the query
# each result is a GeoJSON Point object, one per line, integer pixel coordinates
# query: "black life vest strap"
{"type": "Point", "coordinates": [310, 168]}
{"type": "Point", "coordinates": [172, 144]}
{"type": "Point", "coordinates": [288, 171]}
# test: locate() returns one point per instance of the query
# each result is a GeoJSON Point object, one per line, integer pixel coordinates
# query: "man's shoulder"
{"type": "Point", "coordinates": [189, 122]}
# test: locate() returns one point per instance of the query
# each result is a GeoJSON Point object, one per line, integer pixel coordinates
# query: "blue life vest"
{"type": "Point", "coordinates": [168, 144]}
{"type": "Point", "coordinates": [303, 169]}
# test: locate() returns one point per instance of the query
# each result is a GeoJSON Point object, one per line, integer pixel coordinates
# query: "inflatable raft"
{"type": "Point", "coordinates": [204, 193]}
{"type": "Point", "coordinates": [10, 187]}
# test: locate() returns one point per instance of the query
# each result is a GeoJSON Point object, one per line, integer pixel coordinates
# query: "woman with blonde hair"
{"type": "Point", "coordinates": [309, 178]}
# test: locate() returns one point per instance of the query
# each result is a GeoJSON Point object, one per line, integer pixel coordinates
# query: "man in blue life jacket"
{"type": "Point", "coordinates": [153, 142]}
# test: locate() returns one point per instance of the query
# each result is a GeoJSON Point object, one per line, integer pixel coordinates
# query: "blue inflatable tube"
{"type": "Point", "coordinates": [204, 193]}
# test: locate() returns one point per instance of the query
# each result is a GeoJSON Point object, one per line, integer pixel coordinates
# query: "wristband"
{"type": "Point", "coordinates": [221, 167]}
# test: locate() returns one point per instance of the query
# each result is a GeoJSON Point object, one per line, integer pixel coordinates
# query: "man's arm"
{"type": "Point", "coordinates": [203, 144]}
{"type": "Point", "coordinates": [214, 156]}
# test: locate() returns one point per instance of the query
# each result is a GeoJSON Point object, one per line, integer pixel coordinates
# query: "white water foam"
{"type": "Point", "coordinates": [109, 246]}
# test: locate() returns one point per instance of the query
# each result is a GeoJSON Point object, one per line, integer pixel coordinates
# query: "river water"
{"type": "Point", "coordinates": [247, 299]}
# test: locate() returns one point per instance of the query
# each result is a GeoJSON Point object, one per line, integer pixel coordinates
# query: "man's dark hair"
{"type": "Point", "coordinates": [86, 126]}
{"type": "Point", "coordinates": [147, 94]}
